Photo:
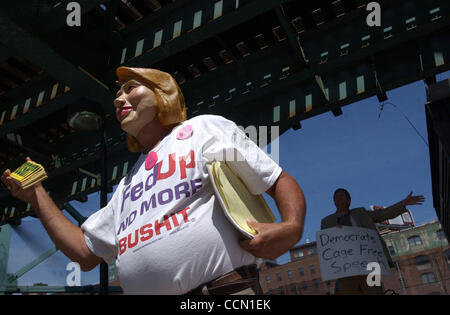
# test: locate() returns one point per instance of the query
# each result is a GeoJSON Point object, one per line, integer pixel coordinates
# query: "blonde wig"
{"type": "Point", "coordinates": [170, 99]}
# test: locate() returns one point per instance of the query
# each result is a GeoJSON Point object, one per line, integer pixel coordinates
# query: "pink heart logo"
{"type": "Point", "coordinates": [184, 132]}
{"type": "Point", "coordinates": [150, 160]}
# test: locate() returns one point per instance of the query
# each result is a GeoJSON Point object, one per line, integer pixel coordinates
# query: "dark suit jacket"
{"type": "Point", "coordinates": [367, 219]}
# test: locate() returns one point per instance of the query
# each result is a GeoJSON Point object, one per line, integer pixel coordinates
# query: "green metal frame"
{"type": "Point", "coordinates": [8, 282]}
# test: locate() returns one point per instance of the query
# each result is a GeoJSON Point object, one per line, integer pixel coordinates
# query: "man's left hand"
{"type": "Point", "coordinates": [271, 239]}
{"type": "Point", "coordinates": [413, 200]}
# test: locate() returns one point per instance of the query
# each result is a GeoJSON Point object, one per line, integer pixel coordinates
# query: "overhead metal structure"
{"type": "Point", "coordinates": [437, 112]}
{"type": "Point", "coordinates": [271, 62]}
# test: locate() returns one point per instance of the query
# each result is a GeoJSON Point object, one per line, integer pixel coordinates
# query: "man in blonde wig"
{"type": "Point", "coordinates": [164, 225]}
{"type": "Point", "coordinates": [169, 98]}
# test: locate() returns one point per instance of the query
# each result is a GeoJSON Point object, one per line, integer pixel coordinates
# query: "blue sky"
{"type": "Point", "coordinates": [378, 160]}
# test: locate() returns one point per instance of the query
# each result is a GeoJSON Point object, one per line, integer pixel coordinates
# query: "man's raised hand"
{"type": "Point", "coordinates": [413, 200]}
{"type": "Point", "coordinates": [25, 195]}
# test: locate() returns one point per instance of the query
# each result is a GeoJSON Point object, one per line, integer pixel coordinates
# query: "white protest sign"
{"type": "Point", "coordinates": [346, 251]}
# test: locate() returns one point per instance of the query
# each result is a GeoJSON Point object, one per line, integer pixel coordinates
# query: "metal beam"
{"type": "Point", "coordinates": [295, 44]}
{"type": "Point", "coordinates": [250, 64]}
{"type": "Point", "coordinates": [359, 14]}
{"type": "Point", "coordinates": [28, 150]}
{"type": "Point", "coordinates": [385, 45]}
{"type": "Point", "coordinates": [5, 53]}
{"type": "Point", "coordinates": [261, 100]}
{"type": "Point", "coordinates": [109, 20]}
{"type": "Point", "coordinates": [102, 41]}
{"type": "Point", "coordinates": [367, 94]}
{"type": "Point", "coordinates": [36, 114]}
{"type": "Point", "coordinates": [337, 111]}
{"type": "Point", "coordinates": [5, 241]}
{"type": "Point", "coordinates": [154, 18]}
{"type": "Point", "coordinates": [38, 52]}
{"type": "Point", "coordinates": [196, 36]}
{"type": "Point", "coordinates": [344, 61]}
{"type": "Point", "coordinates": [50, 27]}
{"type": "Point", "coordinates": [74, 213]}
{"type": "Point", "coordinates": [291, 36]}
{"type": "Point", "coordinates": [39, 82]}
{"type": "Point", "coordinates": [52, 20]}
{"type": "Point", "coordinates": [3, 106]}
{"type": "Point", "coordinates": [32, 264]}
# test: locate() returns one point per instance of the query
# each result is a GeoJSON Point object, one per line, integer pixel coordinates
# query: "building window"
{"type": "Point", "coordinates": [428, 277]}
{"type": "Point", "coordinates": [304, 286]}
{"type": "Point", "coordinates": [312, 268]}
{"type": "Point", "coordinates": [268, 279]}
{"type": "Point", "coordinates": [311, 251]}
{"type": "Point", "coordinates": [289, 273]}
{"type": "Point", "coordinates": [414, 240]}
{"type": "Point", "coordinates": [293, 288]}
{"type": "Point", "coordinates": [279, 276]}
{"type": "Point", "coordinates": [298, 253]}
{"type": "Point", "coordinates": [422, 262]}
{"type": "Point", "coordinates": [441, 235]}
{"type": "Point", "coordinates": [301, 271]}
{"type": "Point", "coordinates": [282, 290]}
{"type": "Point", "coordinates": [391, 250]}
{"type": "Point", "coordinates": [270, 292]}
{"type": "Point", "coordinates": [315, 283]}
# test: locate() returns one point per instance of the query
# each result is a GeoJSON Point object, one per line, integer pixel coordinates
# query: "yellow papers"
{"type": "Point", "coordinates": [28, 174]}
{"type": "Point", "coordinates": [236, 200]}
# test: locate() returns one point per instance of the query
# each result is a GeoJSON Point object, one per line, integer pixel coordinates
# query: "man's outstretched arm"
{"type": "Point", "coordinates": [396, 209]}
{"type": "Point", "coordinates": [68, 238]}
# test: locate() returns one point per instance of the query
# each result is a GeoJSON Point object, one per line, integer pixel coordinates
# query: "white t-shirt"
{"type": "Point", "coordinates": [164, 224]}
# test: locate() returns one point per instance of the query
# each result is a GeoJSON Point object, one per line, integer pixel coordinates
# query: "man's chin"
{"type": "Point", "coordinates": [132, 125]}
{"type": "Point", "coordinates": [128, 128]}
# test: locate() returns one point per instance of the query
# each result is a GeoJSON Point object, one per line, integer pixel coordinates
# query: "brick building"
{"type": "Point", "coordinates": [422, 260]}
{"type": "Point", "coordinates": [300, 276]}
{"type": "Point", "coordinates": [421, 256]}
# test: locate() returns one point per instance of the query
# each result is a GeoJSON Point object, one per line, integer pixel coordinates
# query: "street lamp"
{"type": "Point", "coordinates": [87, 115]}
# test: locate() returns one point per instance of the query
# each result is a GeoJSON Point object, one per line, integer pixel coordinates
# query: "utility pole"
{"type": "Point", "coordinates": [104, 273]}
{"type": "Point", "coordinates": [402, 281]}
{"type": "Point", "coordinates": [441, 280]}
